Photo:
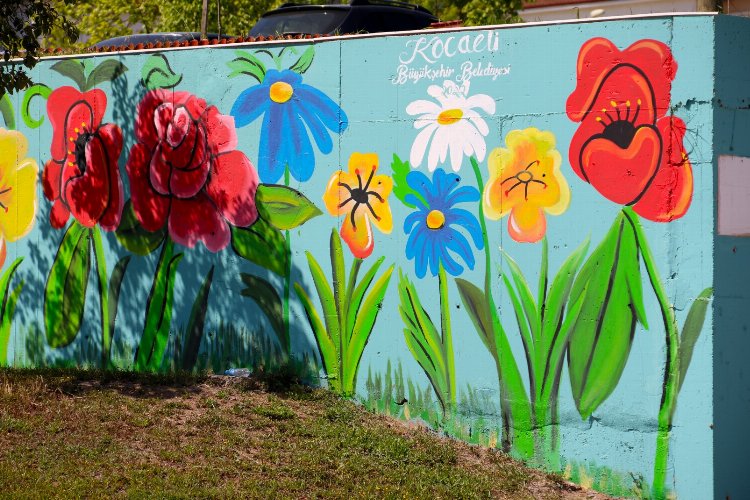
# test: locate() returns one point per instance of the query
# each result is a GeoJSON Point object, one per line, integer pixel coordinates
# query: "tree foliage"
{"type": "Point", "coordinates": [23, 26]}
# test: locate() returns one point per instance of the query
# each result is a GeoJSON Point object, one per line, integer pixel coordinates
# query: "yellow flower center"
{"type": "Point", "coordinates": [435, 219]}
{"type": "Point", "coordinates": [449, 116]}
{"type": "Point", "coordinates": [281, 92]}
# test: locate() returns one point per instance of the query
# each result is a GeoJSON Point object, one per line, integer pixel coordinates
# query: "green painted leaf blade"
{"type": "Point", "coordinates": [158, 317]}
{"type": "Point", "coordinates": [106, 71]}
{"type": "Point", "coordinates": [475, 303]}
{"type": "Point", "coordinates": [604, 327]}
{"type": "Point", "coordinates": [326, 347]}
{"type": "Point", "coordinates": [363, 327]}
{"type": "Point", "coordinates": [526, 298]}
{"type": "Point", "coordinates": [73, 69]}
{"type": "Point", "coordinates": [265, 295]}
{"type": "Point", "coordinates": [326, 298]}
{"type": "Point", "coordinates": [65, 291]}
{"type": "Point", "coordinates": [284, 207]}
{"type": "Point", "coordinates": [196, 323]}
{"type": "Point", "coordinates": [691, 330]}
{"type": "Point", "coordinates": [305, 60]}
{"type": "Point", "coordinates": [8, 308]}
{"type": "Point", "coordinates": [115, 284]}
{"type": "Point", "coordinates": [6, 109]}
{"type": "Point", "coordinates": [158, 74]}
{"type": "Point", "coordinates": [134, 237]}
{"type": "Point", "coordinates": [247, 64]}
{"type": "Point", "coordinates": [355, 300]}
{"type": "Point", "coordinates": [263, 245]}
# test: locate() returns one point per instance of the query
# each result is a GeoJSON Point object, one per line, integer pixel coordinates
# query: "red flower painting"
{"type": "Point", "coordinates": [83, 178]}
{"type": "Point", "coordinates": [185, 172]}
{"type": "Point", "coordinates": [627, 146]}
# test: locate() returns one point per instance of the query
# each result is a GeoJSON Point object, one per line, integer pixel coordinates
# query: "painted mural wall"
{"type": "Point", "coordinates": [506, 234]}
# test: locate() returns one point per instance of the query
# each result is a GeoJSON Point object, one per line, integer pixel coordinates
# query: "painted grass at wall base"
{"type": "Point", "coordinates": [505, 234]}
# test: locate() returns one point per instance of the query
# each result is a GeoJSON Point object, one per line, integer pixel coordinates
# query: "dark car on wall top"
{"type": "Point", "coordinates": [145, 38]}
{"type": "Point", "coordinates": [358, 16]}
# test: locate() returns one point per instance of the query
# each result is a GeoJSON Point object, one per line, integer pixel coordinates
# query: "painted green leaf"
{"type": "Point", "coordinates": [401, 188]}
{"type": "Point", "coordinates": [106, 71]}
{"type": "Point", "coordinates": [691, 330]}
{"type": "Point", "coordinates": [326, 347]}
{"type": "Point", "coordinates": [158, 74]}
{"type": "Point", "coordinates": [196, 324]}
{"type": "Point", "coordinates": [528, 307]}
{"type": "Point", "coordinates": [423, 339]}
{"type": "Point", "coordinates": [247, 64]}
{"type": "Point", "coordinates": [362, 330]}
{"type": "Point", "coordinates": [6, 109]}
{"type": "Point", "coordinates": [475, 303]}
{"type": "Point", "coordinates": [261, 244]}
{"type": "Point", "coordinates": [158, 318]}
{"type": "Point", "coordinates": [305, 60]}
{"type": "Point", "coordinates": [134, 237]}
{"type": "Point", "coordinates": [33, 91]}
{"type": "Point", "coordinates": [73, 69]}
{"type": "Point", "coordinates": [115, 283]}
{"type": "Point", "coordinates": [609, 288]}
{"type": "Point", "coordinates": [284, 207]}
{"type": "Point", "coordinates": [326, 297]}
{"type": "Point", "coordinates": [355, 296]}
{"type": "Point", "coordinates": [8, 308]}
{"type": "Point", "coordinates": [65, 291]}
{"type": "Point", "coordinates": [265, 295]}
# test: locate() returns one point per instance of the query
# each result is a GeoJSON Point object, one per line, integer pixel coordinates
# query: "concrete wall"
{"type": "Point", "coordinates": [507, 234]}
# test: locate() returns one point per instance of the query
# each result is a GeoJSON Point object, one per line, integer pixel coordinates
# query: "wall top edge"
{"type": "Point", "coordinates": [306, 41]}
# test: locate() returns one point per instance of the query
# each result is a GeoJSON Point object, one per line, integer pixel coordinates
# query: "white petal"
{"type": "Point", "coordinates": [456, 155]}
{"type": "Point", "coordinates": [420, 145]}
{"type": "Point", "coordinates": [436, 92]}
{"type": "Point", "coordinates": [425, 120]}
{"type": "Point", "coordinates": [422, 106]}
{"type": "Point", "coordinates": [438, 148]}
{"type": "Point", "coordinates": [482, 101]}
{"type": "Point", "coordinates": [478, 122]}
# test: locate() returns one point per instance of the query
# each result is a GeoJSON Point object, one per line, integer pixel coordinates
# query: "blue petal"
{"type": "Point", "coordinates": [288, 76]}
{"type": "Point", "coordinates": [413, 218]}
{"type": "Point", "coordinates": [317, 129]}
{"type": "Point", "coordinates": [468, 221]}
{"type": "Point", "coordinates": [250, 104]}
{"type": "Point", "coordinates": [460, 245]}
{"type": "Point", "coordinates": [462, 195]}
{"type": "Point", "coordinates": [332, 116]}
{"type": "Point", "coordinates": [420, 183]}
{"type": "Point", "coordinates": [449, 264]}
{"type": "Point", "coordinates": [301, 160]}
{"type": "Point", "coordinates": [415, 248]}
{"type": "Point", "coordinates": [270, 167]}
{"type": "Point", "coordinates": [444, 184]}
{"type": "Point", "coordinates": [412, 199]}
{"type": "Point", "coordinates": [435, 251]}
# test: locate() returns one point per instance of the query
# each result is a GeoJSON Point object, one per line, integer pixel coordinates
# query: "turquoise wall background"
{"type": "Point", "coordinates": [620, 390]}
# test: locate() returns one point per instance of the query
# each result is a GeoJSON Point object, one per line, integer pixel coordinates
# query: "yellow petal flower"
{"type": "Point", "coordinates": [525, 179]}
{"type": "Point", "coordinates": [18, 179]}
{"type": "Point", "coordinates": [361, 197]}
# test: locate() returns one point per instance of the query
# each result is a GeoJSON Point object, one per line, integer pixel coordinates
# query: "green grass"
{"type": "Point", "coordinates": [74, 433]}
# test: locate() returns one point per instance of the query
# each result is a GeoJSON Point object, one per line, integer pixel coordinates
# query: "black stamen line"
{"type": "Point", "coordinates": [612, 120]}
{"type": "Point", "coordinates": [369, 180]}
{"type": "Point", "coordinates": [341, 184]}
{"type": "Point", "coordinates": [627, 115]}
{"type": "Point", "coordinates": [514, 186]}
{"type": "Point", "coordinates": [345, 202]}
{"type": "Point", "coordinates": [372, 211]}
{"type": "Point", "coordinates": [617, 109]}
{"type": "Point", "coordinates": [637, 110]}
{"type": "Point", "coordinates": [376, 195]}
{"type": "Point", "coordinates": [535, 162]}
{"type": "Point", "coordinates": [539, 182]}
{"type": "Point", "coordinates": [526, 192]}
{"type": "Point", "coordinates": [351, 215]}
{"type": "Point", "coordinates": [509, 178]}
{"type": "Point", "coordinates": [359, 180]}
{"type": "Point", "coordinates": [5, 190]}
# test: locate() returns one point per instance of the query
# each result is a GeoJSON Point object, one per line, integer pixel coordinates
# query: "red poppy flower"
{"type": "Point", "coordinates": [626, 146]}
{"type": "Point", "coordinates": [82, 177]}
{"type": "Point", "coordinates": [185, 172]}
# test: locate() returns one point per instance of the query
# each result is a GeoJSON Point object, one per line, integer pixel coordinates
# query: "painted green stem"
{"type": "Point", "coordinates": [101, 269]}
{"type": "Point", "coordinates": [672, 368]}
{"type": "Point", "coordinates": [287, 282]}
{"type": "Point", "coordinates": [514, 400]}
{"type": "Point", "coordinates": [445, 327]}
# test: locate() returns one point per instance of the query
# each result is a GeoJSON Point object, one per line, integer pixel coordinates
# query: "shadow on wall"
{"type": "Point", "coordinates": [158, 255]}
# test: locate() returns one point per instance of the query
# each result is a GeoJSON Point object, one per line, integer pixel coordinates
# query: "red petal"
{"type": "Point", "coordinates": [87, 194]}
{"type": "Point", "coordinates": [150, 207]}
{"type": "Point", "coordinates": [222, 137]}
{"type": "Point", "coordinates": [145, 122]}
{"type": "Point", "coordinates": [670, 193]}
{"type": "Point", "coordinates": [197, 219]}
{"type": "Point", "coordinates": [232, 187]}
{"type": "Point", "coordinates": [58, 215]}
{"type": "Point", "coordinates": [69, 109]}
{"type": "Point", "coordinates": [597, 60]}
{"type": "Point", "coordinates": [112, 140]}
{"type": "Point", "coordinates": [621, 175]}
{"type": "Point", "coordinates": [51, 180]}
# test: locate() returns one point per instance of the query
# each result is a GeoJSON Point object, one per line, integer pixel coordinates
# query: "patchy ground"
{"type": "Point", "coordinates": [74, 434]}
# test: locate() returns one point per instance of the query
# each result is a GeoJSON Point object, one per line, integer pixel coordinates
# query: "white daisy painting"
{"type": "Point", "coordinates": [451, 123]}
